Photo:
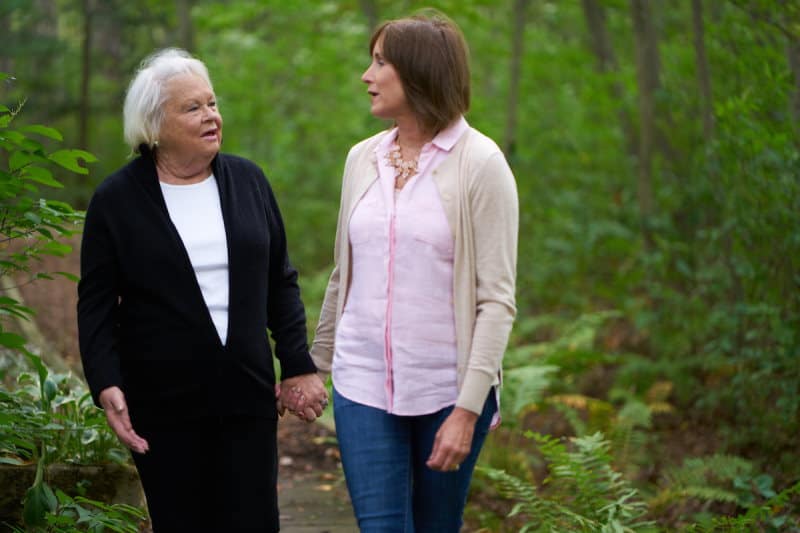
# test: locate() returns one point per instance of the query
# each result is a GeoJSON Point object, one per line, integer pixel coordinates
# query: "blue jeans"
{"type": "Point", "coordinates": [384, 456]}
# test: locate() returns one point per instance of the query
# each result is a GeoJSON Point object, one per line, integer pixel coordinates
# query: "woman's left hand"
{"type": "Point", "coordinates": [303, 395]}
{"type": "Point", "coordinates": [453, 441]}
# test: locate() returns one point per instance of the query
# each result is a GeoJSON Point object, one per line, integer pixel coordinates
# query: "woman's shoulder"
{"type": "Point", "coordinates": [239, 164]}
{"type": "Point", "coordinates": [121, 180]}
{"type": "Point", "coordinates": [478, 145]}
{"type": "Point", "coordinates": [366, 146]}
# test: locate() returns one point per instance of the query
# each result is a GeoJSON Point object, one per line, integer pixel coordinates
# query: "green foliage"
{"type": "Point", "coordinates": [30, 225]}
{"type": "Point", "coordinates": [534, 368]}
{"type": "Point", "coordinates": [706, 478]}
{"type": "Point", "coordinates": [46, 417]}
{"type": "Point", "coordinates": [709, 313]}
{"type": "Point", "coordinates": [778, 513]}
{"type": "Point", "coordinates": [62, 513]}
{"type": "Point", "coordinates": [53, 413]}
{"type": "Point", "coordinates": [581, 493]}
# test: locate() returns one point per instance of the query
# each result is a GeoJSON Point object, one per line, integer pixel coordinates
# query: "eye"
{"type": "Point", "coordinates": [192, 107]}
{"type": "Point", "coordinates": [212, 103]}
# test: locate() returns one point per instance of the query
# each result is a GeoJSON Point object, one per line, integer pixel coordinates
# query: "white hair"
{"type": "Point", "coordinates": [144, 101]}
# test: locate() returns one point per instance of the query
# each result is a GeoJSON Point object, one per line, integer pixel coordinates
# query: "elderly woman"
{"type": "Point", "coordinates": [184, 268]}
{"type": "Point", "coordinates": [420, 303]}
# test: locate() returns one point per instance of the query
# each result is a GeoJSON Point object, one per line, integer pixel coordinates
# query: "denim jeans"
{"type": "Point", "coordinates": [384, 456]}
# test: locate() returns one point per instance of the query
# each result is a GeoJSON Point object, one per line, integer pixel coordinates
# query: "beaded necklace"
{"type": "Point", "coordinates": [405, 169]}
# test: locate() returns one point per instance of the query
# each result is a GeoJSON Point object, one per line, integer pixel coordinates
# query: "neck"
{"type": "Point", "coordinates": [411, 134]}
{"type": "Point", "coordinates": [175, 172]}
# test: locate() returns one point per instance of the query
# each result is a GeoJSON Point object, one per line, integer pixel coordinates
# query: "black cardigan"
{"type": "Point", "coordinates": [143, 324]}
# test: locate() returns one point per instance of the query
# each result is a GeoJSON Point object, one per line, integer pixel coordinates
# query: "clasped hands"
{"type": "Point", "coordinates": [304, 396]}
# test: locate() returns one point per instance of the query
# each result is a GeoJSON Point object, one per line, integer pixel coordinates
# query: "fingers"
{"type": "Point", "coordinates": [113, 401]}
{"type": "Point", "coordinates": [452, 443]}
{"type": "Point", "coordinates": [444, 457]}
{"type": "Point", "coordinates": [305, 396]}
{"type": "Point", "coordinates": [281, 408]}
{"type": "Point", "coordinates": [120, 422]}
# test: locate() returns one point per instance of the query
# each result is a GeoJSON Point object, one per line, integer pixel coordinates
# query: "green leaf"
{"type": "Point", "coordinates": [50, 390]}
{"type": "Point", "coordinates": [70, 159]}
{"type": "Point", "coordinates": [56, 248]}
{"type": "Point", "coordinates": [45, 232]}
{"type": "Point", "coordinates": [18, 160]}
{"type": "Point", "coordinates": [41, 175]}
{"type": "Point", "coordinates": [11, 340]}
{"type": "Point", "coordinates": [33, 217]}
{"type": "Point", "coordinates": [39, 500]}
{"type": "Point", "coordinates": [69, 276]}
{"type": "Point", "coordinates": [45, 131]}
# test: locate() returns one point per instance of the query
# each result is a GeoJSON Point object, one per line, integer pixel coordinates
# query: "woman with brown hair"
{"type": "Point", "coordinates": [420, 303]}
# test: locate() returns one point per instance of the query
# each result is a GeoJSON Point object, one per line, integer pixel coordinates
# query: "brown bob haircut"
{"type": "Point", "coordinates": [431, 57]}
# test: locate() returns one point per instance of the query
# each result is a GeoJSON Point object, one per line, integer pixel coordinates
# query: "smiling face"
{"type": "Point", "coordinates": [384, 87]}
{"type": "Point", "coordinates": [191, 129]}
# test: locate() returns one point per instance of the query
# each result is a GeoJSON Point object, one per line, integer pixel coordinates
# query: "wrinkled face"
{"type": "Point", "coordinates": [192, 126]}
{"type": "Point", "coordinates": [384, 86]}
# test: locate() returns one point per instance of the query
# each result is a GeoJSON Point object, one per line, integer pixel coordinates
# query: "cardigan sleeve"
{"type": "Point", "coordinates": [325, 334]}
{"type": "Point", "coordinates": [286, 316]}
{"type": "Point", "coordinates": [98, 297]}
{"type": "Point", "coordinates": [494, 209]}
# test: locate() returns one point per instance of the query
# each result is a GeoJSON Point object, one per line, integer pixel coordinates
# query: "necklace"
{"type": "Point", "coordinates": [405, 169]}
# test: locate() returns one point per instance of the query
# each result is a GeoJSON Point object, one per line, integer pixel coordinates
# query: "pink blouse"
{"type": "Point", "coordinates": [395, 345]}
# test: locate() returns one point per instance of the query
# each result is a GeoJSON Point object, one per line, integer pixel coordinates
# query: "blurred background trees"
{"type": "Point", "coordinates": [656, 148]}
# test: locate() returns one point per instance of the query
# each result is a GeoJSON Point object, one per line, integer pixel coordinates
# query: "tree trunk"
{"type": "Point", "coordinates": [183, 9]}
{"type": "Point", "coordinates": [793, 53]}
{"type": "Point", "coordinates": [647, 68]}
{"type": "Point", "coordinates": [5, 30]}
{"type": "Point", "coordinates": [703, 72]}
{"type": "Point", "coordinates": [607, 64]}
{"type": "Point", "coordinates": [86, 58]}
{"type": "Point", "coordinates": [371, 12]}
{"type": "Point", "coordinates": [517, 48]}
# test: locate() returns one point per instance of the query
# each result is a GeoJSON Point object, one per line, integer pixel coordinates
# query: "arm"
{"type": "Point", "coordinates": [325, 334]}
{"type": "Point", "coordinates": [98, 295]}
{"type": "Point", "coordinates": [285, 311]}
{"type": "Point", "coordinates": [495, 218]}
{"type": "Point", "coordinates": [300, 389]}
{"type": "Point", "coordinates": [495, 224]}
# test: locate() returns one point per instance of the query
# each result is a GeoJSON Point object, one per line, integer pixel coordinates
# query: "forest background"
{"type": "Point", "coordinates": [656, 150]}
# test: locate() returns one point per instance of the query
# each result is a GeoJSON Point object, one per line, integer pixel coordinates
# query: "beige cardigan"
{"type": "Point", "coordinates": [479, 196]}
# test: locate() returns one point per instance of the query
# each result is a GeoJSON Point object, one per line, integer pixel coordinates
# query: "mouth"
{"type": "Point", "coordinates": [372, 93]}
{"type": "Point", "coordinates": [211, 134]}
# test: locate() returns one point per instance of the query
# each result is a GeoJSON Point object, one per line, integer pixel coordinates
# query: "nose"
{"type": "Point", "coordinates": [211, 113]}
{"type": "Point", "coordinates": [367, 76]}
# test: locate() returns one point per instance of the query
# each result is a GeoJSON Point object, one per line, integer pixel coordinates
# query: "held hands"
{"type": "Point", "coordinates": [304, 396]}
{"type": "Point", "coordinates": [113, 401]}
{"type": "Point", "coordinates": [453, 441]}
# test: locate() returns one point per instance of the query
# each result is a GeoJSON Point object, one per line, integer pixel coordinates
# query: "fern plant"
{"type": "Point", "coordinates": [779, 513]}
{"type": "Point", "coordinates": [709, 479]}
{"type": "Point", "coordinates": [582, 492]}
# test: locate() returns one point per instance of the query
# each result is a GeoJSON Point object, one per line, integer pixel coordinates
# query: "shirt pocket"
{"type": "Point", "coordinates": [438, 241]}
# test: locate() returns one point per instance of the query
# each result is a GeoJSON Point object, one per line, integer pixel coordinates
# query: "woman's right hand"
{"type": "Point", "coordinates": [113, 401]}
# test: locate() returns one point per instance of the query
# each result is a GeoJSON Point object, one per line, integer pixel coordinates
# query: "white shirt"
{"type": "Point", "coordinates": [196, 212]}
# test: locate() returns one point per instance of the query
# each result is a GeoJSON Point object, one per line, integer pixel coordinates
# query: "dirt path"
{"type": "Point", "coordinates": [311, 491]}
